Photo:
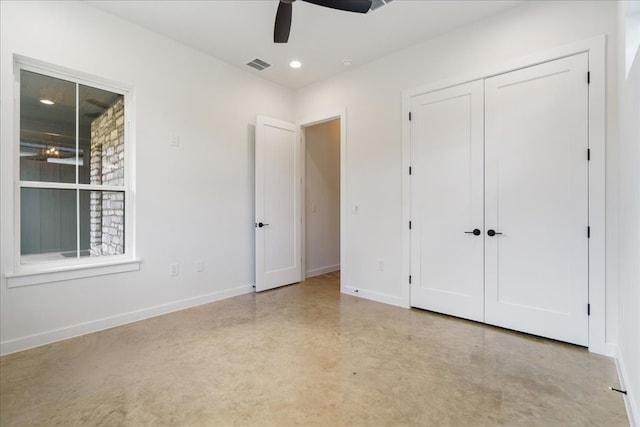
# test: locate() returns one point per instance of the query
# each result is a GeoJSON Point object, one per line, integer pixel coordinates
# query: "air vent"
{"type": "Point", "coordinates": [258, 64]}
{"type": "Point", "coordinates": [375, 4]}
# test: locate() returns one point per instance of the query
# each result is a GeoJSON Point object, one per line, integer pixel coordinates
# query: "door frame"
{"type": "Point", "coordinates": [596, 48]}
{"type": "Point", "coordinates": [304, 123]}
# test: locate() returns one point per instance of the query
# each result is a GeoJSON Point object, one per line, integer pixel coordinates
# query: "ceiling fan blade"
{"type": "Point", "coordinates": [282, 26]}
{"type": "Point", "coordinates": [360, 6]}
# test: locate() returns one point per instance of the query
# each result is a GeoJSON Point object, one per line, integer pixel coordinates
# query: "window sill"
{"type": "Point", "coordinates": [37, 276]}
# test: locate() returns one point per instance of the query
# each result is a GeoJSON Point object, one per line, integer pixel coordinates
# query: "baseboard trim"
{"type": "Point", "coordinates": [322, 270]}
{"type": "Point", "coordinates": [25, 343]}
{"type": "Point", "coordinates": [605, 349]}
{"type": "Point", "coordinates": [375, 296]}
{"type": "Point", "coordinates": [633, 410]}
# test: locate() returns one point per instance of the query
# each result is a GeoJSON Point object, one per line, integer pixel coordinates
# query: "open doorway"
{"type": "Point", "coordinates": [322, 195]}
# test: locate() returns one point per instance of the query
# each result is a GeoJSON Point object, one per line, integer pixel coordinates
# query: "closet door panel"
{"type": "Point", "coordinates": [537, 198]}
{"type": "Point", "coordinates": [446, 201]}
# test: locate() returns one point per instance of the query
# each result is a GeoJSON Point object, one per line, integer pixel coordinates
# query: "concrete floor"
{"type": "Point", "coordinates": [307, 355]}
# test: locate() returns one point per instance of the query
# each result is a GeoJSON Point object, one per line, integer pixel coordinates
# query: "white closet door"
{"type": "Point", "coordinates": [536, 196]}
{"type": "Point", "coordinates": [446, 201]}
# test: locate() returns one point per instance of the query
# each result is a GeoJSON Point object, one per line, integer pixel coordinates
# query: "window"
{"type": "Point", "coordinates": [73, 186]}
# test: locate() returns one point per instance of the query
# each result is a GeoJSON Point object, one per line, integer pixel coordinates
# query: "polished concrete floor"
{"type": "Point", "coordinates": [307, 355]}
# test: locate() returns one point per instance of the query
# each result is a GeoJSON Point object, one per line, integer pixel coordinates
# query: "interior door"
{"type": "Point", "coordinates": [278, 194]}
{"type": "Point", "coordinates": [446, 201]}
{"type": "Point", "coordinates": [536, 131]}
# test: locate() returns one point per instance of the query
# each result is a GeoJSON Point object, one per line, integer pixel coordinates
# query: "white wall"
{"type": "Point", "coordinates": [372, 95]}
{"type": "Point", "coordinates": [629, 222]}
{"type": "Point", "coordinates": [205, 186]}
{"type": "Point", "coordinates": [322, 198]}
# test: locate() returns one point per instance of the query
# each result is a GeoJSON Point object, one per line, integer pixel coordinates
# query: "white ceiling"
{"type": "Point", "coordinates": [237, 31]}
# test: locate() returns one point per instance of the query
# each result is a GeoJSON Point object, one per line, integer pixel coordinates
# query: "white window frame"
{"type": "Point", "coordinates": [32, 273]}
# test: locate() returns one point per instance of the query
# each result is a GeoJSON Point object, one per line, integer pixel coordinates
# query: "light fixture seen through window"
{"type": "Point", "coordinates": [295, 64]}
{"type": "Point", "coordinates": [52, 152]}
{"type": "Point", "coordinates": [47, 101]}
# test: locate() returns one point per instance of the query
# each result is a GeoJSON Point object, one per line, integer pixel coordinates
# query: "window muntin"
{"type": "Point", "coordinates": [73, 187]}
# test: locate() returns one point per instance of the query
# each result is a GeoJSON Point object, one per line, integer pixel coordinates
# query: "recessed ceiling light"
{"type": "Point", "coordinates": [347, 63]}
{"type": "Point", "coordinates": [295, 64]}
{"type": "Point", "coordinates": [47, 101]}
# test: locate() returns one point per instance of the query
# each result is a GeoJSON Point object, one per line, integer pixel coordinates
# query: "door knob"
{"type": "Point", "coordinates": [260, 224]}
{"type": "Point", "coordinates": [492, 232]}
{"type": "Point", "coordinates": [475, 232]}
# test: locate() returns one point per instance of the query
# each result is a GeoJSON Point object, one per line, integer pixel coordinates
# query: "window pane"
{"type": "Point", "coordinates": [101, 118]}
{"type": "Point", "coordinates": [101, 223]}
{"type": "Point", "coordinates": [47, 224]}
{"type": "Point", "coordinates": [47, 128]}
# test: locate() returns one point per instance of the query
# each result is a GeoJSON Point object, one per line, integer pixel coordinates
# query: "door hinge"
{"type": "Point", "coordinates": [588, 77]}
{"type": "Point", "coordinates": [588, 154]}
{"type": "Point", "coordinates": [409, 116]}
{"type": "Point", "coordinates": [588, 232]}
{"type": "Point", "coordinates": [588, 309]}
{"type": "Point", "coordinates": [409, 170]}
{"type": "Point", "coordinates": [409, 279]}
{"type": "Point", "coordinates": [409, 225]}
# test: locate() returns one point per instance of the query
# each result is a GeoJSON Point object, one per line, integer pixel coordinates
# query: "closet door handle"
{"type": "Point", "coordinates": [475, 232]}
{"type": "Point", "coordinates": [261, 224]}
{"type": "Point", "coordinates": [492, 232]}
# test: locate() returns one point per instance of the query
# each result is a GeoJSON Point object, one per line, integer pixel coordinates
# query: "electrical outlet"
{"type": "Point", "coordinates": [380, 264]}
{"type": "Point", "coordinates": [174, 269]}
{"type": "Point", "coordinates": [174, 141]}
{"type": "Point", "coordinates": [199, 266]}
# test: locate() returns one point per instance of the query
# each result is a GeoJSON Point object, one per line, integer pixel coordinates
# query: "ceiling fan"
{"type": "Point", "coordinates": [283, 15]}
